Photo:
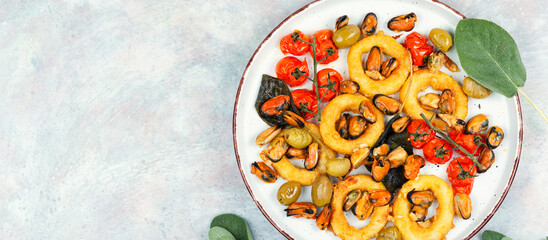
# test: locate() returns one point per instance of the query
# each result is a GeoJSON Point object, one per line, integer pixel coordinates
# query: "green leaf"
{"type": "Point", "coordinates": [489, 55]}
{"type": "Point", "coordinates": [219, 233]}
{"type": "Point", "coordinates": [234, 224]}
{"type": "Point", "coordinates": [491, 235]}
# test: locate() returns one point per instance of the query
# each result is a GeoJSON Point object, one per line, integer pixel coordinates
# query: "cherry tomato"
{"type": "Point", "coordinates": [291, 45]}
{"type": "Point", "coordinates": [437, 151]}
{"type": "Point", "coordinates": [416, 43]}
{"type": "Point", "coordinates": [323, 44]}
{"type": "Point", "coordinates": [419, 133]}
{"type": "Point", "coordinates": [305, 99]}
{"type": "Point", "coordinates": [286, 67]}
{"type": "Point", "coordinates": [456, 174]}
{"type": "Point", "coordinates": [324, 83]}
{"type": "Point", "coordinates": [467, 141]}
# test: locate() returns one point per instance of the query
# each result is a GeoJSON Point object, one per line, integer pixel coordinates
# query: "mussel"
{"type": "Point", "coordinates": [363, 208]}
{"type": "Point", "coordinates": [324, 218]}
{"type": "Point", "coordinates": [447, 103]}
{"type": "Point", "coordinates": [380, 168]}
{"type": "Point", "coordinates": [360, 156]}
{"type": "Point", "coordinates": [367, 110]}
{"type": "Point", "coordinates": [264, 172]}
{"type": "Point", "coordinates": [404, 22]}
{"type": "Point", "coordinates": [463, 205]}
{"type": "Point", "coordinates": [386, 104]}
{"type": "Point", "coordinates": [267, 135]}
{"type": "Point", "coordinates": [486, 159]}
{"type": "Point", "coordinates": [277, 149]}
{"type": "Point", "coordinates": [412, 166]}
{"type": "Point", "coordinates": [342, 125]}
{"type": "Point", "coordinates": [379, 198]}
{"type": "Point", "coordinates": [477, 124]}
{"type": "Point", "coordinates": [421, 198]}
{"type": "Point", "coordinates": [298, 153]}
{"type": "Point", "coordinates": [313, 157]}
{"type": "Point", "coordinates": [276, 105]}
{"type": "Point", "coordinates": [351, 199]}
{"type": "Point", "coordinates": [356, 126]}
{"type": "Point", "coordinates": [435, 61]}
{"type": "Point", "coordinates": [301, 209]}
{"type": "Point", "coordinates": [452, 121]}
{"type": "Point", "coordinates": [429, 101]}
{"type": "Point", "coordinates": [418, 213]}
{"type": "Point", "coordinates": [397, 157]}
{"type": "Point", "coordinates": [495, 135]}
{"type": "Point", "coordinates": [369, 25]}
{"type": "Point", "coordinates": [374, 63]}
{"type": "Point", "coordinates": [401, 124]}
{"type": "Point", "coordinates": [388, 67]}
{"type": "Point", "coordinates": [341, 22]}
{"type": "Point", "coordinates": [349, 87]}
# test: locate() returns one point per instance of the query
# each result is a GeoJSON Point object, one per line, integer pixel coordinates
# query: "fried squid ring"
{"type": "Point", "coordinates": [290, 172]}
{"type": "Point", "coordinates": [332, 112]}
{"type": "Point", "coordinates": [443, 220]}
{"type": "Point", "coordinates": [391, 84]}
{"type": "Point", "coordinates": [339, 223]}
{"type": "Point", "coordinates": [439, 81]}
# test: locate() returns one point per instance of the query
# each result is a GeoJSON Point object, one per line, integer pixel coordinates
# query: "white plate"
{"type": "Point", "coordinates": [490, 188]}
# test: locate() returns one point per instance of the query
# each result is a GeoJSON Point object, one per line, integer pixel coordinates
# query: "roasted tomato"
{"type": "Point", "coordinates": [293, 43]}
{"type": "Point", "coordinates": [416, 43]}
{"type": "Point", "coordinates": [437, 151]}
{"type": "Point", "coordinates": [419, 133]}
{"type": "Point", "coordinates": [461, 176]}
{"type": "Point", "coordinates": [292, 71]}
{"type": "Point", "coordinates": [467, 141]}
{"type": "Point", "coordinates": [305, 101]}
{"type": "Point", "coordinates": [328, 83]}
{"type": "Point", "coordinates": [324, 45]}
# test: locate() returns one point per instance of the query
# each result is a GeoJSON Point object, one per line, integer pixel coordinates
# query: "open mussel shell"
{"type": "Point", "coordinates": [302, 209]}
{"type": "Point", "coordinates": [313, 157]}
{"type": "Point", "coordinates": [495, 135]}
{"type": "Point", "coordinates": [404, 22]}
{"type": "Point", "coordinates": [351, 199]}
{"type": "Point", "coordinates": [486, 159]}
{"type": "Point", "coordinates": [356, 126]}
{"type": "Point", "coordinates": [463, 205]}
{"type": "Point", "coordinates": [379, 198]}
{"type": "Point", "coordinates": [421, 198]}
{"type": "Point", "coordinates": [369, 25]}
{"type": "Point", "coordinates": [477, 124]}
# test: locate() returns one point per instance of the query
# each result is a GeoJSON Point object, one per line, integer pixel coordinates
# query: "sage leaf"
{"type": "Point", "coordinates": [490, 56]}
{"type": "Point", "coordinates": [492, 235]}
{"type": "Point", "coordinates": [234, 224]}
{"type": "Point", "coordinates": [219, 233]}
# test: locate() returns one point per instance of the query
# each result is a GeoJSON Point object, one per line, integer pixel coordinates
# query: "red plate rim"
{"type": "Point", "coordinates": [285, 234]}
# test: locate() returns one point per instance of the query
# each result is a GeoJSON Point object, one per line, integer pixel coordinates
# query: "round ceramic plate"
{"type": "Point", "coordinates": [490, 188]}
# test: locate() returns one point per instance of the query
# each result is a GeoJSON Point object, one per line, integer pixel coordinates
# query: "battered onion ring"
{"type": "Point", "coordinates": [332, 112]}
{"type": "Point", "coordinates": [339, 223]}
{"type": "Point", "coordinates": [443, 220]}
{"type": "Point", "coordinates": [290, 172]}
{"type": "Point", "coordinates": [439, 81]}
{"type": "Point", "coordinates": [389, 46]}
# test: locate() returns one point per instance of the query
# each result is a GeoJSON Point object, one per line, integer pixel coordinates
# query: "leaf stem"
{"type": "Point", "coordinates": [534, 105]}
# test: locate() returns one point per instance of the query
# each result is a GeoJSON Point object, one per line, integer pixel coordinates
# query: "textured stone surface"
{"type": "Point", "coordinates": [116, 117]}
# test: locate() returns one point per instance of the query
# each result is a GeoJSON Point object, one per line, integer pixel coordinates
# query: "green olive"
{"type": "Point", "coordinates": [441, 39]}
{"type": "Point", "coordinates": [322, 190]}
{"type": "Point", "coordinates": [289, 192]}
{"type": "Point", "coordinates": [389, 233]}
{"type": "Point", "coordinates": [473, 89]}
{"type": "Point", "coordinates": [346, 36]}
{"type": "Point", "coordinates": [297, 137]}
{"type": "Point", "coordinates": [338, 167]}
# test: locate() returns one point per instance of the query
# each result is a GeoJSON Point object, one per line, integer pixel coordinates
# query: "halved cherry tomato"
{"type": "Point", "coordinates": [328, 78]}
{"type": "Point", "coordinates": [416, 43]}
{"type": "Point", "coordinates": [286, 70]}
{"type": "Point", "coordinates": [305, 101]}
{"type": "Point", "coordinates": [419, 133]}
{"type": "Point", "coordinates": [437, 151]}
{"type": "Point", "coordinates": [291, 45]}
{"type": "Point", "coordinates": [467, 141]}
{"type": "Point", "coordinates": [323, 45]}
{"type": "Point", "coordinates": [460, 181]}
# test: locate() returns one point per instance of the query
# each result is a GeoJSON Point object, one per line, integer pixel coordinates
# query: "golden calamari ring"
{"type": "Point", "coordinates": [439, 81]}
{"type": "Point", "coordinates": [389, 45]}
{"type": "Point", "coordinates": [290, 172]}
{"type": "Point", "coordinates": [443, 220]}
{"type": "Point", "coordinates": [332, 112]}
{"type": "Point", "coordinates": [339, 223]}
